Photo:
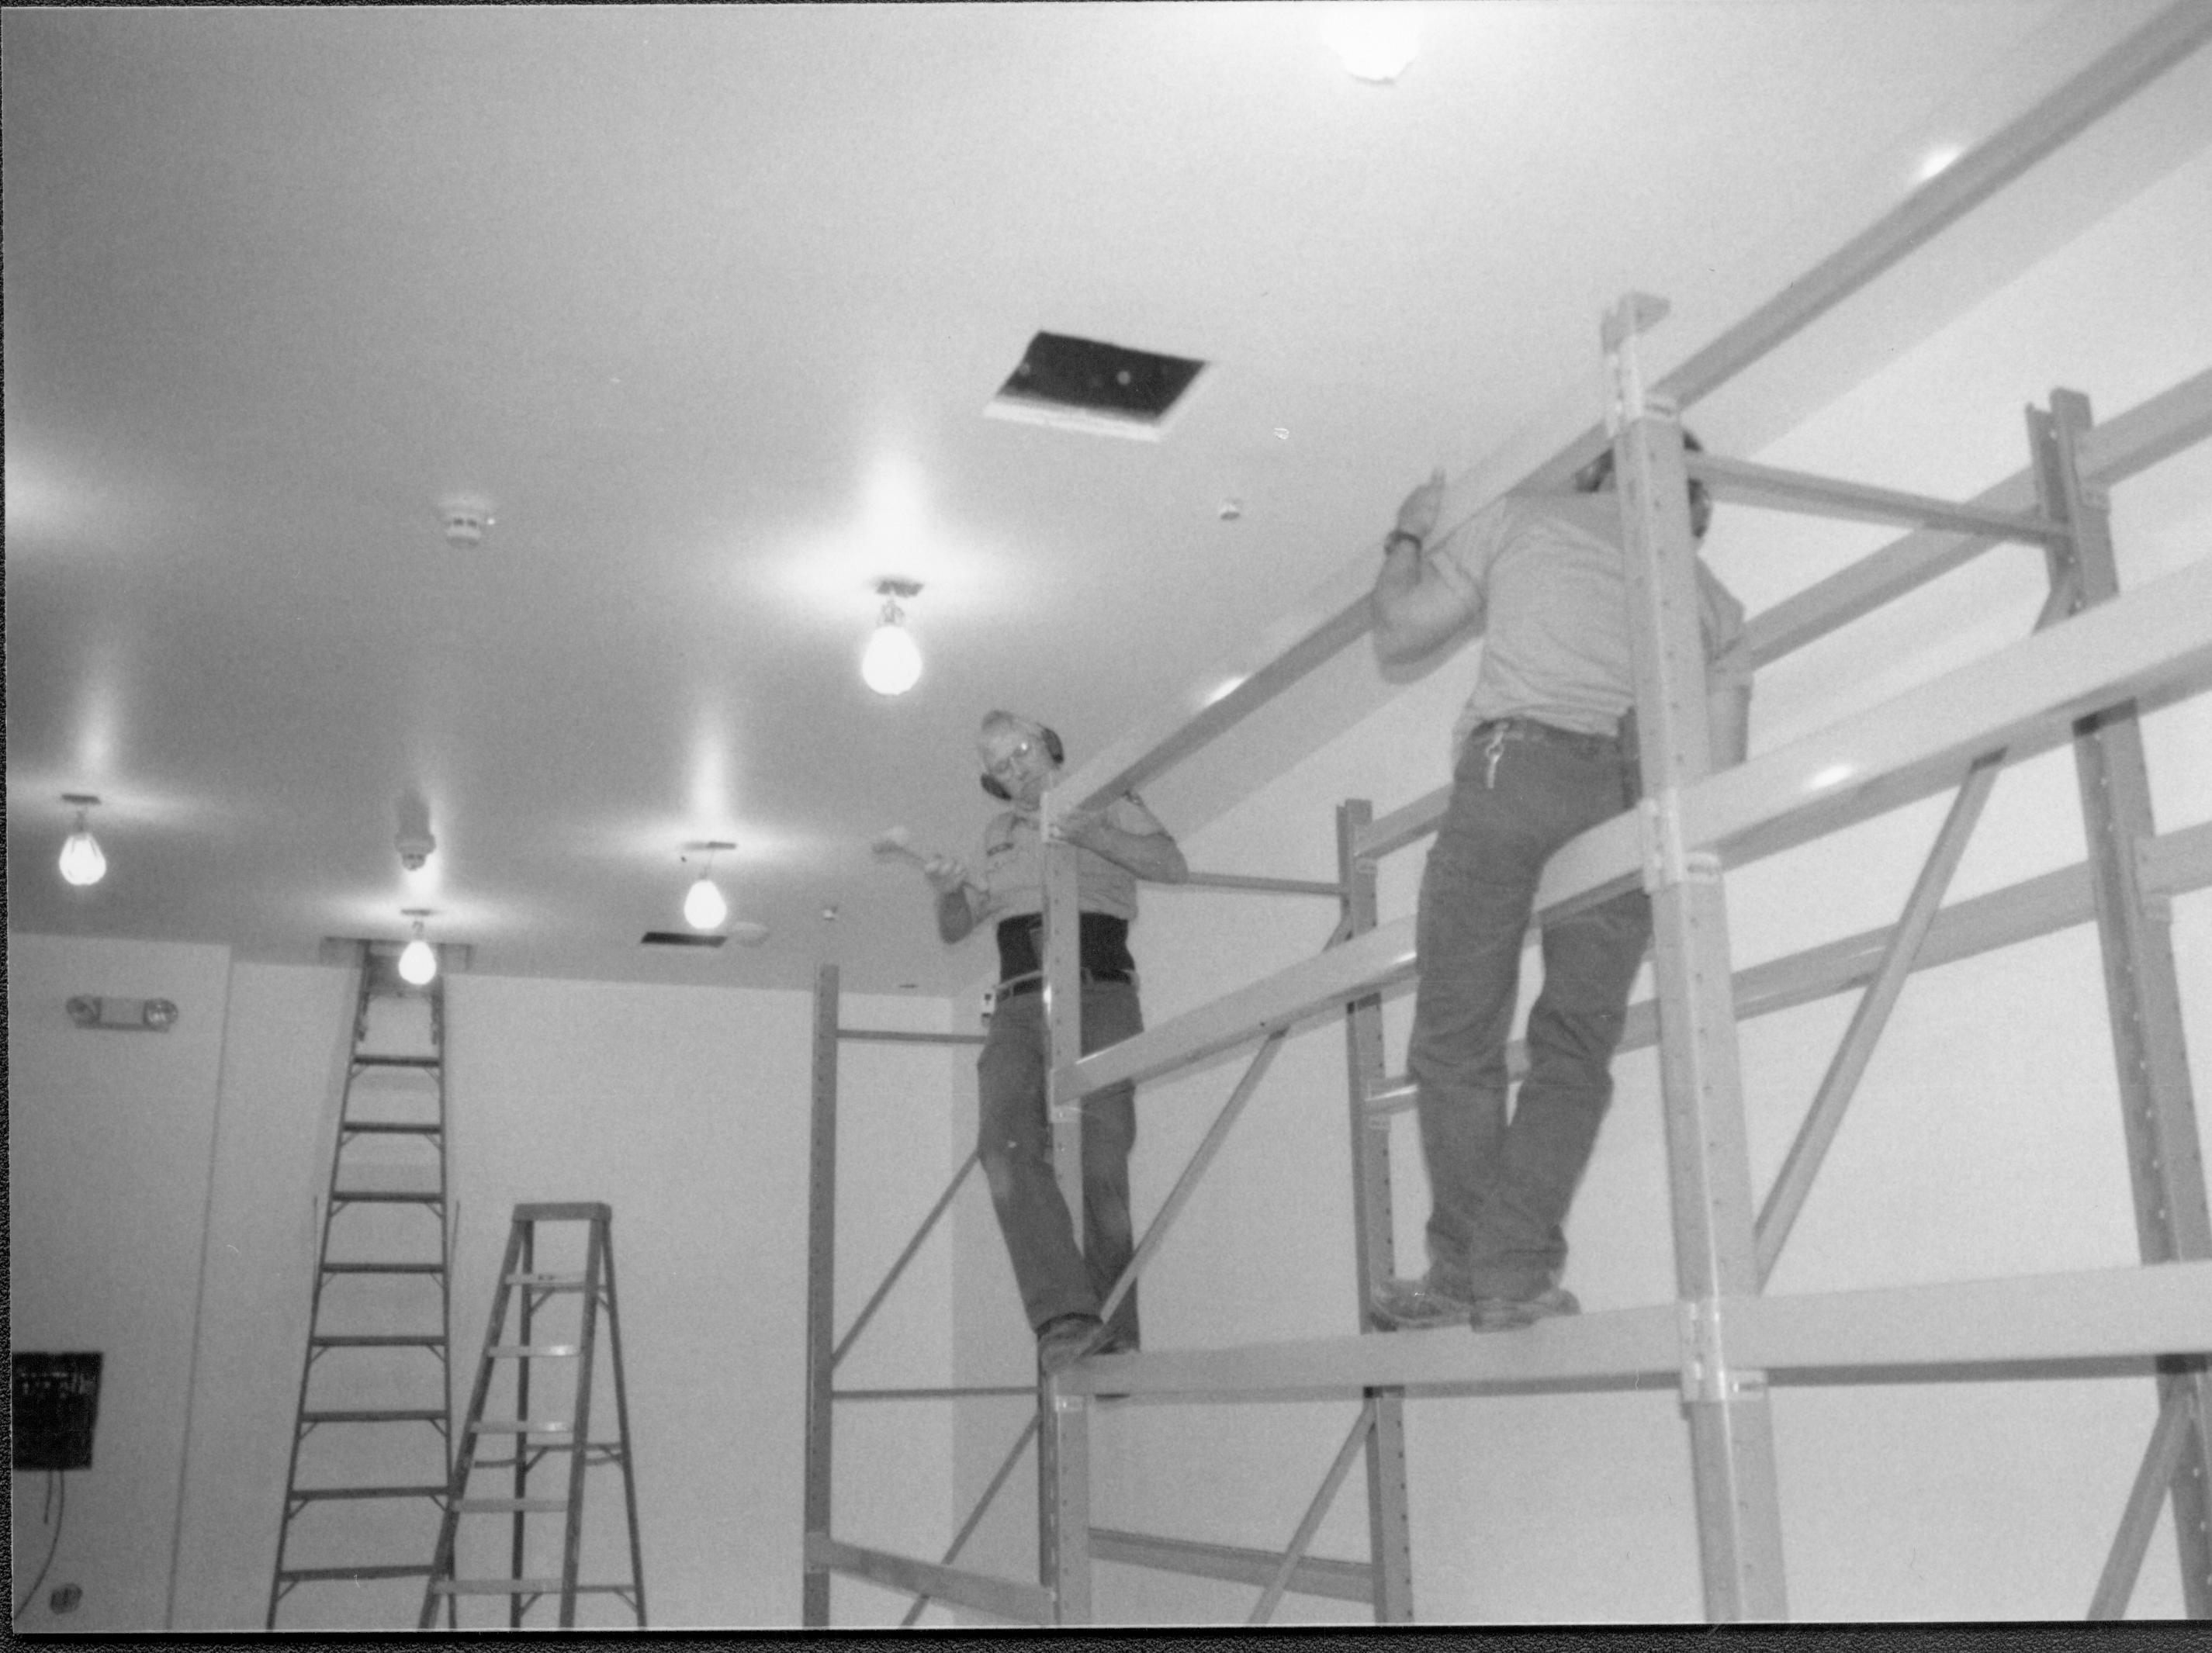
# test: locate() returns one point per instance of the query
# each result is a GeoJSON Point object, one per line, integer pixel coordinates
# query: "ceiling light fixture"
{"type": "Point", "coordinates": [81, 860]}
{"type": "Point", "coordinates": [466, 518]}
{"type": "Point", "coordinates": [418, 959]}
{"type": "Point", "coordinates": [703, 906]}
{"type": "Point", "coordinates": [1374, 39]}
{"type": "Point", "coordinates": [892, 664]}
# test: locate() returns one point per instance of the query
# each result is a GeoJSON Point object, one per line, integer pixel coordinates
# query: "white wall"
{"type": "Point", "coordinates": [109, 1141]}
{"type": "Point", "coordinates": [1986, 1140]}
{"type": "Point", "coordinates": [686, 1109]}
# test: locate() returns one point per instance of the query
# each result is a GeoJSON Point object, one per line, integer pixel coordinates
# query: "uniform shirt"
{"type": "Point", "coordinates": [1543, 576]}
{"type": "Point", "coordinates": [1013, 865]}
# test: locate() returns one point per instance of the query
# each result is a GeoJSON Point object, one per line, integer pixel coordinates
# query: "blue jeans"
{"type": "Point", "coordinates": [1500, 1190]}
{"type": "Point", "coordinates": [1015, 1139]}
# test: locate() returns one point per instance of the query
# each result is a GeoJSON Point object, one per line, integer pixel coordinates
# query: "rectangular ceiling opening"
{"type": "Point", "coordinates": [1081, 384]}
{"type": "Point", "coordinates": [679, 938]}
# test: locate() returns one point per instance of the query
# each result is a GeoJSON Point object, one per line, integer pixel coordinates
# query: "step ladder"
{"type": "Point", "coordinates": [371, 1446]}
{"type": "Point", "coordinates": [547, 1374]}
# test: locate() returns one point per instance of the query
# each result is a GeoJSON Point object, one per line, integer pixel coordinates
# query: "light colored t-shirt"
{"type": "Point", "coordinates": [1545, 583]}
{"type": "Point", "coordinates": [1013, 865]}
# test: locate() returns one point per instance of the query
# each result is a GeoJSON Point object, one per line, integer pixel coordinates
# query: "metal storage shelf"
{"type": "Point", "coordinates": [2097, 657]}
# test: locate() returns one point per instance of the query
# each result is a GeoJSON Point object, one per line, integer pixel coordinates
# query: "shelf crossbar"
{"type": "Point", "coordinates": [1797, 490]}
{"type": "Point", "coordinates": [2114, 451]}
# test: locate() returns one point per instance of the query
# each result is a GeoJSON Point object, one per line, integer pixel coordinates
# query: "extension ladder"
{"type": "Point", "coordinates": [557, 1436]}
{"type": "Point", "coordinates": [371, 1454]}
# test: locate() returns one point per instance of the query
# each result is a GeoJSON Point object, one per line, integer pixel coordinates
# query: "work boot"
{"type": "Point", "coordinates": [1065, 1340]}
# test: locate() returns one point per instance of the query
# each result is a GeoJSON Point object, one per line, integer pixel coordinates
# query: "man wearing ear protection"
{"type": "Point", "coordinates": [1062, 1287]}
{"type": "Point", "coordinates": [1544, 750]}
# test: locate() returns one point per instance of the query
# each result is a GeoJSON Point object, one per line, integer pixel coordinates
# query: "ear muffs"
{"type": "Point", "coordinates": [1053, 749]}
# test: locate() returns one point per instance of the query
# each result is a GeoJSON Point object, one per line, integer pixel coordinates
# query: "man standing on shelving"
{"type": "Point", "coordinates": [1544, 749]}
{"type": "Point", "coordinates": [1063, 1285]}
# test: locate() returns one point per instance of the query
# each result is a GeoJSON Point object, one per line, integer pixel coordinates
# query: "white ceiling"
{"type": "Point", "coordinates": [708, 302]}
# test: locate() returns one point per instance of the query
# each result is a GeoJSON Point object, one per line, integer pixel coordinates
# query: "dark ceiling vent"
{"type": "Point", "coordinates": [679, 938]}
{"type": "Point", "coordinates": [1081, 384]}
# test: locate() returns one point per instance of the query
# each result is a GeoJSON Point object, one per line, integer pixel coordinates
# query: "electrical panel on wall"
{"type": "Point", "coordinates": [57, 1402]}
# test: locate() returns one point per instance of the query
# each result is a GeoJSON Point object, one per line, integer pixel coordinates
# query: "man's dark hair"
{"type": "Point", "coordinates": [1592, 476]}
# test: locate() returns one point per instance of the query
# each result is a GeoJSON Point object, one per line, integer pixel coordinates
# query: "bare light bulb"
{"type": "Point", "coordinates": [81, 860]}
{"type": "Point", "coordinates": [1374, 39]}
{"type": "Point", "coordinates": [703, 906]}
{"type": "Point", "coordinates": [418, 960]}
{"type": "Point", "coordinates": [893, 663]}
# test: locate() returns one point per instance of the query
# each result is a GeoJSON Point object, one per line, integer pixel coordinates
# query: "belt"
{"type": "Point", "coordinates": [1035, 983]}
{"type": "Point", "coordinates": [1550, 734]}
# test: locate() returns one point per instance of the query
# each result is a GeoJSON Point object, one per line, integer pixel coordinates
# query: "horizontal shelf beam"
{"type": "Point", "coordinates": [2159, 1309]}
{"type": "Point", "coordinates": [970, 1392]}
{"type": "Point", "coordinates": [1828, 497]}
{"type": "Point", "coordinates": [1343, 1581]}
{"type": "Point", "coordinates": [2174, 863]}
{"type": "Point", "coordinates": [1946, 197]}
{"type": "Point", "coordinates": [1275, 886]}
{"type": "Point", "coordinates": [1026, 1604]}
{"type": "Point", "coordinates": [2024, 698]}
{"type": "Point", "coordinates": [892, 1035]}
{"type": "Point", "coordinates": [1384, 955]}
{"type": "Point", "coordinates": [2090, 1316]}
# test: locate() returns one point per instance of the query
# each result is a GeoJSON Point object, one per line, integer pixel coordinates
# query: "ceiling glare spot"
{"type": "Point", "coordinates": [1081, 384]}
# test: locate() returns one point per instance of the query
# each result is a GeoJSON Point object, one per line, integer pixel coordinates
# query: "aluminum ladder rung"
{"type": "Point", "coordinates": [513, 1506]}
{"type": "Point", "coordinates": [385, 1197]}
{"type": "Point", "coordinates": [381, 1570]}
{"type": "Point", "coordinates": [399, 1061]}
{"type": "Point", "coordinates": [376, 1415]}
{"type": "Point", "coordinates": [547, 1282]}
{"type": "Point", "coordinates": [380, 1341]}
{"type": "Point", "coordinates": [516, 1587]}
{"type": "Point", "coordinates": [383, 1268]}
{"type": "Point", "coordinates": [389, 1127]}
{"type": "Point", "coordinates": [520, 1426]}
{"type": "Point", "coordinates": [533, 1351]}
{"type": "Point", "coordinates": [326, 1494]}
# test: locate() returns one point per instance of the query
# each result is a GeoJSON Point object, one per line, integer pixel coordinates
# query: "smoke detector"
{"type": "Point", "coordinates": [465, 518]}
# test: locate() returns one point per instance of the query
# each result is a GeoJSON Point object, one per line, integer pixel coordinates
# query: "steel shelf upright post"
{"type": "Point", "coordinates": [1730, 1414]}
{"type": "Point", "coordinates": [2142, 995]}
{"type": "Point", "coordinates": [1064, 1417]}
{"type": "Point", "coordinates": [821, 1296]}
{"type": "Point", "coordinates": [1374, 1248]}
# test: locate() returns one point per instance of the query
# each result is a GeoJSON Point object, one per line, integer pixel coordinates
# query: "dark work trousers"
{"type": "Point", "coordinates": [1501, 1190]}
{"type": "Point", "coordinates": [1015, 1139]}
